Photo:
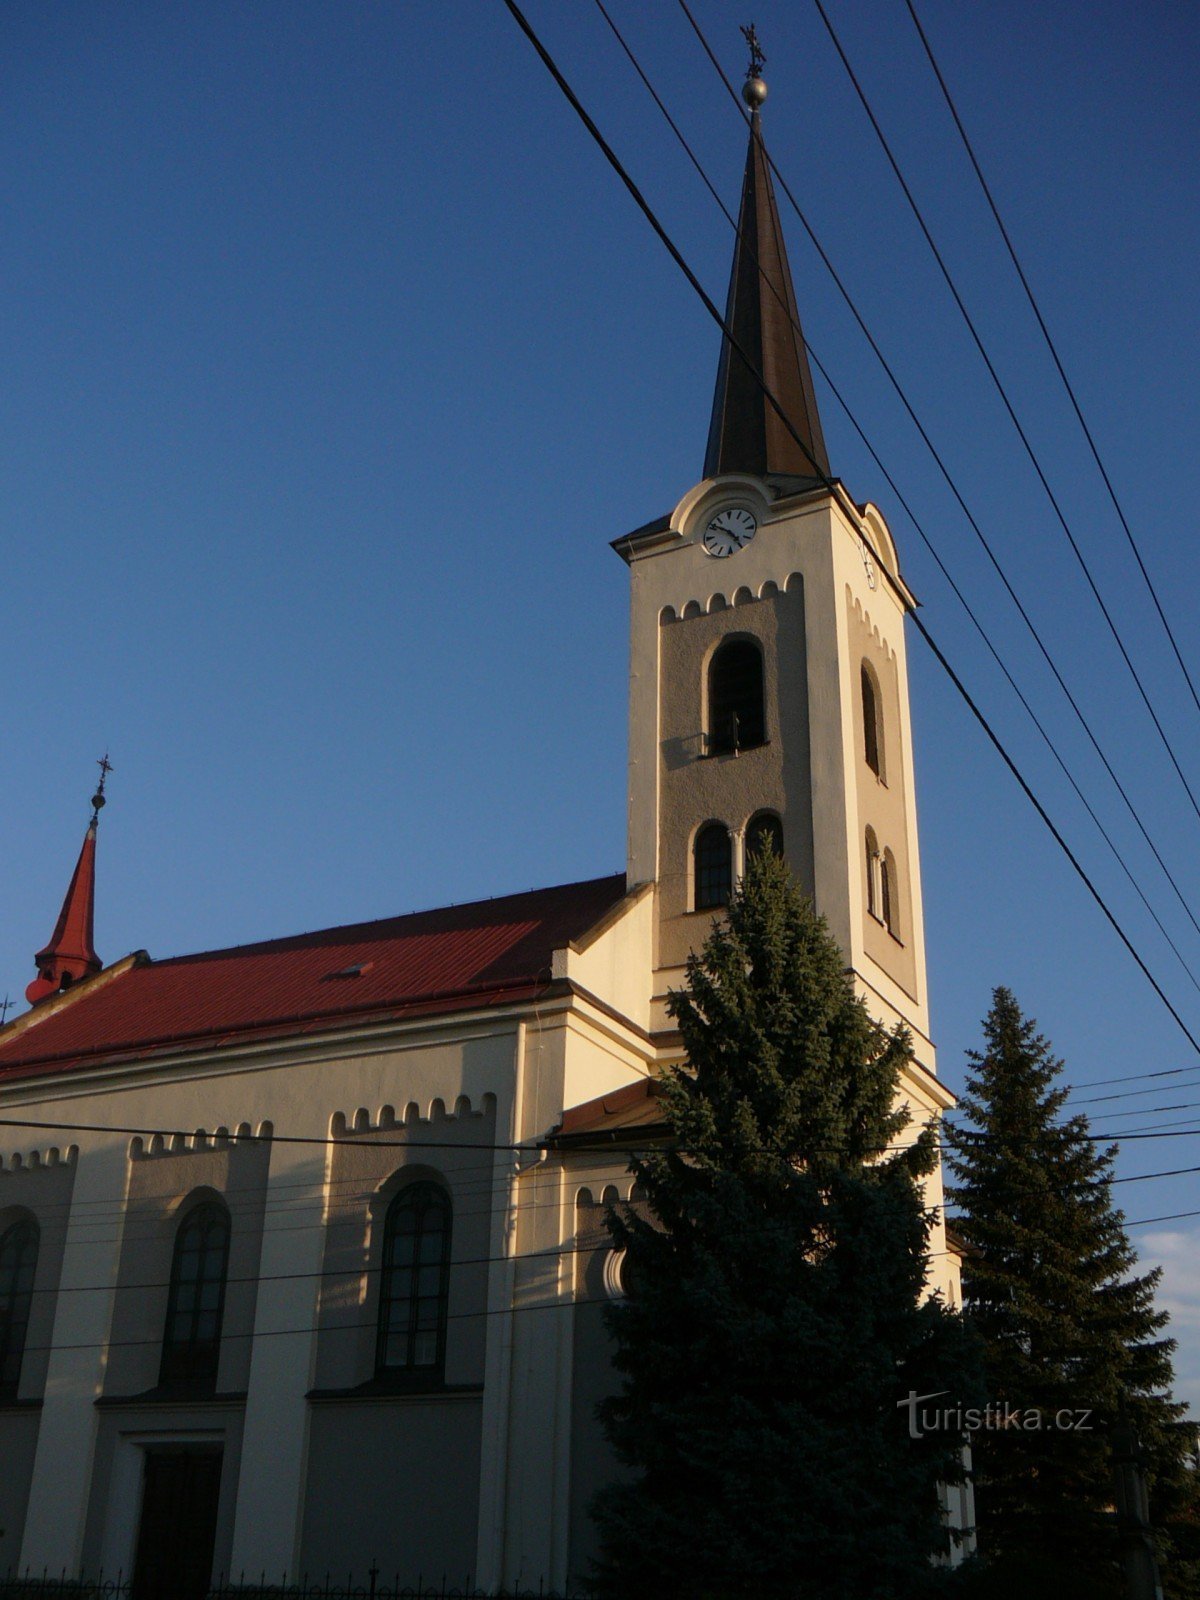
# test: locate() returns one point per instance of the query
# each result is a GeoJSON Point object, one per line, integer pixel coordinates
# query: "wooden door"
{"type": "Point", "coordinates": [178, 1527]}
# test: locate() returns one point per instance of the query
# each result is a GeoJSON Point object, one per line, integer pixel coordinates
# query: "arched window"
{"type": "Point", "coordinates": [735, 697]}
{"type": "Point", "coordinates": [890, 893]}
{"type": "Point", "coordinates": [415, 1281]}
{"type": "Point", "coordinates": [18, 1263]}
{"type": "Point", "coordinates": [196, 1302]}
{"type": "Point", "coordinates": [873, 875]}
{"type": "Point", "coordinates": [713, 867]}
{"type": "Point", "coordinates": [764, 831]}
{"type": "Point", "coordinates": [872, 740]}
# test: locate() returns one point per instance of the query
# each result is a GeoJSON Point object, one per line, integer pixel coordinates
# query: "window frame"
{"type": "Point", "coordinates": [16, 1300]}
{"type": "Point", "coordinates": [874, 886]}
{"type": "Point", "coordinates": [191, 1362]}
{"type": "Point", "coordinates": [701, 873]}
{"type": "Point", "coordinates": [775, 822]}
{"type": "Point", "coordinates": [715, 742]}
{"type": "Point", "coordinates": [889, 877]}
{"type": "Point", "coordinates": [872, 715]}
{"type": "Point", "coordinates": [420, 1195]}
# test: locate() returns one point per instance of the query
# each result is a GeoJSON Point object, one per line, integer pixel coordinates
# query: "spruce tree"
{"type": "Point", "coordinates": [778, 1312]}
{"type": "Point", "coordinates": [1069, 1327]}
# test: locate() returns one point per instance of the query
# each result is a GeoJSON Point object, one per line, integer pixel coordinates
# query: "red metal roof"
{"type": "Point", "coordinates": [609, 1116]}
{"type": "Point", "coordinates": [71, 952]}
{"type": "Point", "coordinates": [428, 962]}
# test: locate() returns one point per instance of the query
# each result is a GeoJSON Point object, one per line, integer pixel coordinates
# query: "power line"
{"type": "Point", "coordinates": [951, 484]}
{"type": "Point", "coordinates": [912, 516]}
{"type": "Point", "coordinates": [1003, 393]}
{"type": "Point", "coordinates": [839, 493]}
{"type": "Point", "coordinates": [1050, 345]}
{"type": "Point", "coordinates": [1171, 1216]}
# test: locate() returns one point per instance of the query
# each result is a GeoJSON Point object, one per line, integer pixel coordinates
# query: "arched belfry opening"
{"type": "Point", "coordinates": [736, 713]}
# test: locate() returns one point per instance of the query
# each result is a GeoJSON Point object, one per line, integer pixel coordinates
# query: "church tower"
{"type": "Point", "coordinates": [768, 682]}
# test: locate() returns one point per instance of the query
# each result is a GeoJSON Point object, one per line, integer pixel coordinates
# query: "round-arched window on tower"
{"type": "Point", "coordinates": [764, 831]}
{"type": "Point", "coordinates": [872, 729]}
{"type": "Point", "coordinates": [712, 867]}
{"type": "Point", "coordinates": [890, 894]}
{"type": "Point", "coordinates": [736, 718]}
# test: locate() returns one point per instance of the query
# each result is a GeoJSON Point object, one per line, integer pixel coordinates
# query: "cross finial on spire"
{"type": "Point", "coordinates": [757, 58]}
{"type": "Point", "coordinates": [754, 90]}
{"type": "Point", "coordinates": [98, 799]}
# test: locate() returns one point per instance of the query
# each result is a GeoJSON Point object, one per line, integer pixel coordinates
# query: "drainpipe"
{"type": "Point", "coordinates": [508, 1275]}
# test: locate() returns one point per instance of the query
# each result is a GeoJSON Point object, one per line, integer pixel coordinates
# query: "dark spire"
{"type": "Point", "coordinates": [746, 433]}
{"type": "Point", "coordinates": [71, 952]}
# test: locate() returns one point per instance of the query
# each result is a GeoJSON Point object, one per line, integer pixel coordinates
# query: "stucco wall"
{"type": "Point", "coordinates": [882, 800]}
{"type": "Point", "coordinates": [114, 1507]}
{"type": "Point", "coordinates": [695, 787]}
{"type": "Point", "coordinates": [18, 1448]}
{"type": "Point", "coordinates": [593, 1462]}
{"type": "Point", "coordinates": [39, 1184]}
{"type": "Point", "coordinates": [453, 1149]}
{"type": "Point", "coordinates": [163, 1186]}
{"type": "Point", "coordinates": [395, 1482]}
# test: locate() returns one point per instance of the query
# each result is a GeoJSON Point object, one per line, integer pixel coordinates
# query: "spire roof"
{"type": "Point", "coordinates": [71, 951]}
{"type": "Point", "coordinates": [746, 433]}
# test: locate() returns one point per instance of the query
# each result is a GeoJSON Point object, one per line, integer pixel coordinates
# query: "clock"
{"type": "Point", "coordinates": [867, 561]}
{"type": "Point", "coordinates": [729, 531]}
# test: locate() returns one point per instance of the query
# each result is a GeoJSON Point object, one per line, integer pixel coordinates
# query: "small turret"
{"type": "Point", "coordinates": [71, 953]}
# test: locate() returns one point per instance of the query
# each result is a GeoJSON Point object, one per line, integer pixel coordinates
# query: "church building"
{"type": "Point", "coordinates": [302, 1253]}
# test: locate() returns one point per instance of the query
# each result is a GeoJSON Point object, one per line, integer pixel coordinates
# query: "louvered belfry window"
{"type": "Point", "coordinates": [736, 720]}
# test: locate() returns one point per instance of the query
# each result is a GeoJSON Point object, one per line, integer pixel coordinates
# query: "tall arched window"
{"type": "Point", "coordinates": [415, 1281]}
{"type": "Point", "coordinates": [196, 1302]}
{"type": "Point", "coordinates": [872, 733]}
{"type": "Point", "coordinates": [736, 720]}
{"type": "Point", "coordinates": [873, 885]}
{"type": "Point", "coordinates": [764, 831]}
{"type": "Point", "coordinates": [713, 867]}
{"type": "Point", "coordinates": [18, 1263]}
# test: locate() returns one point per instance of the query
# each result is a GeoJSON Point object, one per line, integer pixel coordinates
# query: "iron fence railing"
{"type": "Point", "coordinates": [374, 1585]}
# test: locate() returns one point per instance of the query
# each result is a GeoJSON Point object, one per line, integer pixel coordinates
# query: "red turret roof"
{"type": "Point", "coordinates": [71, 953]}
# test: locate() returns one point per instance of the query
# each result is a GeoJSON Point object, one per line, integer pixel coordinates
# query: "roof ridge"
{"type": "Point", "coordinates": [316, 934]}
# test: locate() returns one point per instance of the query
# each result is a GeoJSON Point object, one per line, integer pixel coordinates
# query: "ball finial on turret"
{"type": "Point", "coordinates": [754, 90]}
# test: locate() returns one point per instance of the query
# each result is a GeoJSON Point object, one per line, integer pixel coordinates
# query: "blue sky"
{"type": "Point", "coordinates": [334, 357]}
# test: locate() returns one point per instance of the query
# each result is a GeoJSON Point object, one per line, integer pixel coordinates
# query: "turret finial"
{"type": "Point", "coordinates": [754, 90]}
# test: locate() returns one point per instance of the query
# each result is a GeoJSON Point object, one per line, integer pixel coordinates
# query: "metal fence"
{"type": "Point", "coordinates": [375, 1585]}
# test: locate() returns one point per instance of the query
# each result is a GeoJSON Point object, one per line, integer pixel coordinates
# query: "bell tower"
{"type": "Point", "coordinates": [768, 677]}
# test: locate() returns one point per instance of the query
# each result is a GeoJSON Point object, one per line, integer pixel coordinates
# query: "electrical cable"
{"type": "Point", "coordinates": [1053, 349]}
{"type": "Point", "coordinates": [951, 484]}
{"type": "Point", "coordinates": [840, 495]}
{"type": "Point", "coordinates": [911, 514]}
{"type": "Point", "coordinates": [1003, 393]}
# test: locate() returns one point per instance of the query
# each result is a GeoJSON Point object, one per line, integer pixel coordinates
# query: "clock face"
{"type": "Point", "coordinates": [868, 562]}
{"type": "Point", "coordinates": [729, 531]}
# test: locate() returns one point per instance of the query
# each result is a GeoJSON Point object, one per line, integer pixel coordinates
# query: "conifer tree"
{"type": "Point", "coordinates": [1070, 1329]}
{"type": "Point", "coordinates": [777, 1312]}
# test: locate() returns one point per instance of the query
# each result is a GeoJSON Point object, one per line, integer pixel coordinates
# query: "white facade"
{"type": "Point", "coordinates": [318, 1471]}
